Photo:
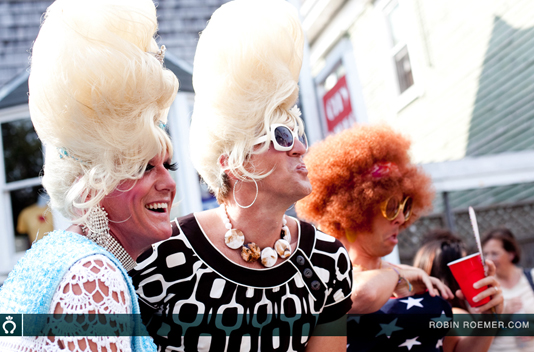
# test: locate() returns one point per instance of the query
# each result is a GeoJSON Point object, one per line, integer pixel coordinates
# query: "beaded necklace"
{"type": "Point", "coordinates": [250, 252]}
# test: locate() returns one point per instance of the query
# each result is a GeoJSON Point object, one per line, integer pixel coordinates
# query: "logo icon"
{"type": "Point", "coordinates": [9, 323]}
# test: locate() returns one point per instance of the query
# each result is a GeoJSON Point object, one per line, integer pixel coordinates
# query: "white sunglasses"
{"type": "Point", "coordinates": [283, 137]}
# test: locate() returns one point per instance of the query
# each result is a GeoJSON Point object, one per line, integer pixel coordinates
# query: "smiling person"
{"type": "Point", "coordinates": [365, 192]}
{"type": "Point", "coordinates": [99, 97]}
{"type": "Point", "coordinates": [243, 276]}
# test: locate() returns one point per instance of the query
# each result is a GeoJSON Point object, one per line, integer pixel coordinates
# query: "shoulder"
{"type": "Point", "coordinates": [325, 251]}
{"type": "Point", "coordinates": [332, 263]}
{"type": "Point", "coordinates": [167, 261]}
{"type": "Point", "coordinates": [92, 276]}
{"type": "Point", "coordinates": [321, 242]}
{"type": "Point", "coordinates": [422, 303]}
{"type": "Point", "coordinates": [328, 243]}
{"type": "Point", "coordinates": [40, 271]}
{"type": "Point", "coordinates": [96, 265]}
{"type": "Point", "coordinates": [321, 239]}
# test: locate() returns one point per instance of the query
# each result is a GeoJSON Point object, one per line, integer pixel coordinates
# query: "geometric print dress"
{"type": "Point", "coordinates": [412, 323]}
{"type": "Point", "coordinates": [193, 298]}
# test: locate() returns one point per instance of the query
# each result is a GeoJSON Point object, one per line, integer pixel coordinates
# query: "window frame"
{"type": "Point", "coordinates": [342, 53]}
{"type": "Point", "coordinates": [8, 254]}
{"type": "Point", "coordinates": [385, 7]}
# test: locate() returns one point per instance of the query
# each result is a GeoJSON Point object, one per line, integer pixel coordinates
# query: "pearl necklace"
{"type": "Point", "coordinates": [250, 252]}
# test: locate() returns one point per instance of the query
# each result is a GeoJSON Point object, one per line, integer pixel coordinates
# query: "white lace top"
{"type": "Point", "coordinates": [92, 285]}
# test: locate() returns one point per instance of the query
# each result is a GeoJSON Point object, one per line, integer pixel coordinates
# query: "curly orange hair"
{"type": "Point", "coordinates": [345, 195]}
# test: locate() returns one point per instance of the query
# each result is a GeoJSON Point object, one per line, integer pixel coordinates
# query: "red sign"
{"type": "Point", "coordinates": [337, 107]}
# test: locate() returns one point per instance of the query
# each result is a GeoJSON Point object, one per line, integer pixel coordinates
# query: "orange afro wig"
{"type": "Point", "coordinates": [347, 189]}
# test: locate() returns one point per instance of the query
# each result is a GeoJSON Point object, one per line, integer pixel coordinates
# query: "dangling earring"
{"type": "Point", "coordinates": [254, 201]}
{"type": "Point", "coordinates": [98, 226]}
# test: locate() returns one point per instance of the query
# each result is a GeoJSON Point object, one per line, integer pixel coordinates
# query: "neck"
{"type": "Point", "coordinates": [259, 224]}
{"type": "Point", "coordinates": [506, 272]}
{"type": "Point", "coordinates": [361, 260]}
{"type": "Point", "coordinates": [123, 254]}
{"type": "Point", "coordinates": [365, 262]}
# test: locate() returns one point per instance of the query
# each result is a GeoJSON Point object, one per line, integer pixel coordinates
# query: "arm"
{"type": "Point", "coordinates": [372, 288]}
{"type": "Point", "coordinates": [420, 282]}
{"type": "Point", "coordinates": [322, 339]}
{"type": "Point", "coordinates": [93, 285]}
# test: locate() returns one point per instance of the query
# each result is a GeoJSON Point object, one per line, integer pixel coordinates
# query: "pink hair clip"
{"type": "Point", "coordinates": [381, 169]}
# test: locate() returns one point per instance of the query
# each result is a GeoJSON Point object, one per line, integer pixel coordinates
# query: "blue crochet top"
{"type": "Point", "coordinates": [31, 285]}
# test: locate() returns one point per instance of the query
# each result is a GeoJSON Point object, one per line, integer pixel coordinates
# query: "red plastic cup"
{"type": "Point", "coordinates": [467, 271]}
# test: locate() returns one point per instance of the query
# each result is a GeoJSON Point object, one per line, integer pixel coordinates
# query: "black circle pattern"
{"type": "Point", "coordinates": [194, 299]}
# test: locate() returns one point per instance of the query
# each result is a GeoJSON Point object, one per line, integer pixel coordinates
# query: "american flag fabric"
{"type": "Point", "coordinates": [416, 324]}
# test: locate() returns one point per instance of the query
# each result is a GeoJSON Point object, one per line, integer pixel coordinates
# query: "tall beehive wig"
{"type": "Point", "coordinates": [97, 95]}
{"type": "Point", "coordinates": [345, 194]}
{"type": "Point", "coordinates": [245, 76]}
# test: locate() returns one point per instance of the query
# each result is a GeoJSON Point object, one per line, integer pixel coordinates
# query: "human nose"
{"type": "Point", "coordinates": [400, 219]}
{"type": "Point", "coordinates": [165, 181]}
{"type": "Point", "coordinates": [298, 147]}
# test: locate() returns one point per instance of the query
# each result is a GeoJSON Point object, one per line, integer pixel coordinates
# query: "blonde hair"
{"type": "Point", "coordinates": [97, 97]}
{"type": "Point", "coordinates": [245, 76]}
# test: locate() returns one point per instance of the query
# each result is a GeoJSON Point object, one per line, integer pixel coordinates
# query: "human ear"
{"type": "Point", "coordinates": [223, 163]}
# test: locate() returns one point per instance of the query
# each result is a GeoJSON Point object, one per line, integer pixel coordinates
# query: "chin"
{"type": "Point", "coordinates": [388, 251]}
{"type": "Point", "coordinates": [162, 233]}
{"type": "Point", "coordinates": [306, 189]}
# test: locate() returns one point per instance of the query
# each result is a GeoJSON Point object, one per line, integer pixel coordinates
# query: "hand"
{"type": "Point", "coordinates": [495, 305]}
{"type": "Point", "coordinates": [420, 282]}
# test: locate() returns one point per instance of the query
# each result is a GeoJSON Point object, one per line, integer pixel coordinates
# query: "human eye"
{"type": "Point", "coordinates": [149, 167]}
{"type": "Point", "coordinates": [171, 167]}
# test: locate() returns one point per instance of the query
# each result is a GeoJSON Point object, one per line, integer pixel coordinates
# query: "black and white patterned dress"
{"type": "Point", "coordinates": [194, 299]}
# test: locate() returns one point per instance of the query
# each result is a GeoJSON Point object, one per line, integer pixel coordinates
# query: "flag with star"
{"type": "Point", "coordinates": [402, 324]}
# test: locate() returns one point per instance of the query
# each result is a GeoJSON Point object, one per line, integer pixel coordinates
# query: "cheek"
{"type": "Point", "coordinates": [130, 191]}
{"type": "Point", "coordinates": [379, 225]}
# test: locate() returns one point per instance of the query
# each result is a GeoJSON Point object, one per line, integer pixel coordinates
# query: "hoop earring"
{"type": "Point", "coordinates": [254, 201]}
{"type": "Point", "coordinates": [98, 226]}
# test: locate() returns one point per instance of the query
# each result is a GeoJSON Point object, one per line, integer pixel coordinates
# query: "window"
{"type": "Point", "coordinates": [338, 90]}
{"type": "Point", "coordinates": [20, 183]}
{"type": "Point", "coordinates": [399, 48]}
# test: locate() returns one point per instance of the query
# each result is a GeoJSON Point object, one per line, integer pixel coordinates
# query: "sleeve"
{"type": "Point", "coordinates": [164, 276]}
{"type": "Point", "coordinates": [149, 281]}
{"type": "Point", "coordinates": [93, 285]}
{"type": "Point", "coordinates": [335, 269]}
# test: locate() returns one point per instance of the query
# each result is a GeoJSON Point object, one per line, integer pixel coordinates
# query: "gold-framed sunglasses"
{"type": "Point", "coordinates": [391, 208]}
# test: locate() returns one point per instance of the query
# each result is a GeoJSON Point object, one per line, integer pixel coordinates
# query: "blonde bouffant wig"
{"type": "Point", "coordinates": [246, 70]}
{"type": "Point", "coordinates": [354, 171]}
{"type": "Point", "coordinates": [98, 96]}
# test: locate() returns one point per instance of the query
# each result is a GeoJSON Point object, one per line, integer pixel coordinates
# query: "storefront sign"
{"type": "Point", "coordinates": [337, 107]}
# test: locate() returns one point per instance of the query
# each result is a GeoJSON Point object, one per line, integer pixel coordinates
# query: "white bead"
{"type": "Point", "coordinates": [268, 257]}
{"type": "Point", "coordinates": [287, 235]}
{"type": "Point", "coordinates": [234, 239]}
{"type": "Point", "coordinates": [226, 220]}
{"type": "Point", "coordinates": [228, 226]}
{"type": "Point", "coordinates": [283, 248]}
{"type": "Point", "coordinates": [284, 221]}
